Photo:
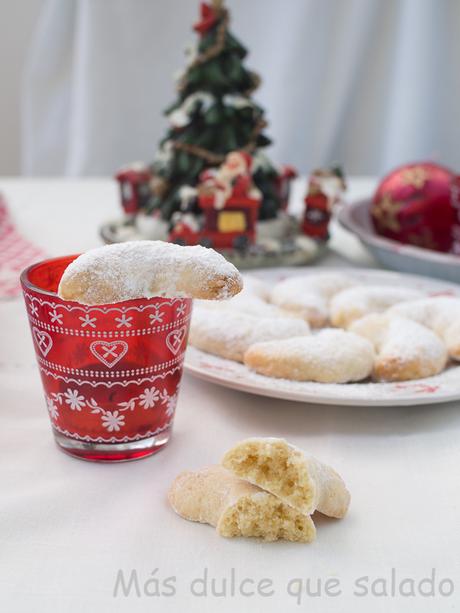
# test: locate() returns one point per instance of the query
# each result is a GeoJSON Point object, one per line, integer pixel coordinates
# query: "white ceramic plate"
{"type": "Point", "coordinates": [444, 387]}
{"type": "Point", "coordinates": [392, 254]}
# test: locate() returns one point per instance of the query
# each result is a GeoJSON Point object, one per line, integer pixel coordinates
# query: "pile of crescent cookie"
{"type": "Point", "coordinates": [330, 328]}
{"type": "Point", "coordinates": [263, 488]}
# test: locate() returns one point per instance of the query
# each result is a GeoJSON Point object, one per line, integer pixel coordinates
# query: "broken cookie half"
{"type": "Point", "coordinates": [236, 507]}
{"type": "Point", "coordinates": [285, 471]}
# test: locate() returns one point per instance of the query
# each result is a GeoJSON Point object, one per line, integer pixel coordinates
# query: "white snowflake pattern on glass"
{"type": "Point", "coordinates": [33, 309]}
{"type": "Point", "coordinates": [156, 317]}
{"type": "Point", "coordinates": [171, 405]}
{"type": "Point", "coordinates": [56, 317]}
{"type": "Point", "coordinates": [149, 397]}
{"type": "Point", "coordinates": [52, 408]}
{"type": "Point", "coordinates": [74, 400]}
{"type": "Point", "coordinates": [87, 321]}
{"type": "Point", "coordinates": [124, 321]}
{"type": "Point", "coordinates": [180, 310]}
{"type": "Point", "coordinates": [113, 421]}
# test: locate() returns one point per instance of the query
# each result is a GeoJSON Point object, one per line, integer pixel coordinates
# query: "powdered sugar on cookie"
{"type": "Point", "coordinates": [143, 269]}
{"type": "Point", "coordinates": [329, 356]}
{"type": "Point", "coordinates": [405, 349]}
{"type": "Point", "coordinates": [309, 296]}
{"type": "Point", "coordinates": [228, 333]}
{"type": "Point", "coordinates": [439, 313]}
{"type": "Point", "coordinates": [355, 302]}
{"type": "Point", "coordinates": [246, 302]}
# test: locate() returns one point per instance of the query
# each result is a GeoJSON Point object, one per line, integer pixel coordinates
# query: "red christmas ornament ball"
{"type": "Point", "coordinates": [417, 204]}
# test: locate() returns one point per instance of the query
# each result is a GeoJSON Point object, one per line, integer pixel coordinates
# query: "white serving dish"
{"type": "Point", "coordinates": [355, 217]}
{"type": "Point", "coordinates": [444, 387]}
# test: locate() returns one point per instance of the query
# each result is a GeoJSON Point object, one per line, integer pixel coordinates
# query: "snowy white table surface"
{"type": "Point", "coordinates": [69, 528]}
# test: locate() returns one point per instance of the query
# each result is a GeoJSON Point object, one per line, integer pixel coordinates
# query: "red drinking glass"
{"type": "Point", "coordinates": [111, 372]}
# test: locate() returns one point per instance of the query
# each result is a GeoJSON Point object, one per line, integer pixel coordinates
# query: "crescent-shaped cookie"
{"type": "Point", "coordinates": [308, 296]}
{"type": "Point", "coordinates": [228, 334]}
{"type": "Point", "coordinates": [355, 302]}
{"type": "Point", "coordinates": [405, 349]}
{"type": "Point", "coordinates": [244, 302]}
{"type": "Point", "coordinates": [253, 300]}
{"type": "Point", "coordinates": [329, 356]}
{"type": "Point", "coordinates": [257, 287]}
{"type": "Point", "coordinates": [142, 269]}
{"type": "Point", "coordinates": [439, 313]}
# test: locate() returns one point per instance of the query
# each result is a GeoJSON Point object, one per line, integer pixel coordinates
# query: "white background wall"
{"type": "Point", "coordinates": [17, 21]}
{"type": "Point", "coordinates": [369, 83]}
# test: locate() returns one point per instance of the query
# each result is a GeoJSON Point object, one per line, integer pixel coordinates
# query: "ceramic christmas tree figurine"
{"type": "Point", "coordinates": [210, 182]}
{"type": "Point", "coordinates": [213, 115]}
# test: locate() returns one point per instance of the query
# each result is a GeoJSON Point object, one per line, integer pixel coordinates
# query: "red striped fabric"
{"type": "Point", "coordinates": [16, 253]}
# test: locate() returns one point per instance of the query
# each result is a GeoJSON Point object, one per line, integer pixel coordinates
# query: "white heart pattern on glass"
{"type": "Point", "coordinates": [175, 338]}
{"type": "Point", "coordinates": [43, 340]}
{"type": "Point", "coordinates": [109, 352]}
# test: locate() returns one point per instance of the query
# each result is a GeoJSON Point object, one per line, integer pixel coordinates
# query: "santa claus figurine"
{"type": "Point", "coordinates": [325, 188]}
{"type": "Point", "coordinates": [233, 179]}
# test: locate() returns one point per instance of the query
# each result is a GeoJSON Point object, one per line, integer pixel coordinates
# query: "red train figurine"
{"type": "Point", "coordinates": [222, 211]}
{"type": "Point", "coordinates": [230, 204]}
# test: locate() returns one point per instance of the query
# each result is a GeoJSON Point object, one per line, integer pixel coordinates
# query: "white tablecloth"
{"type": "Point", "coordinates": [68, 528]}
